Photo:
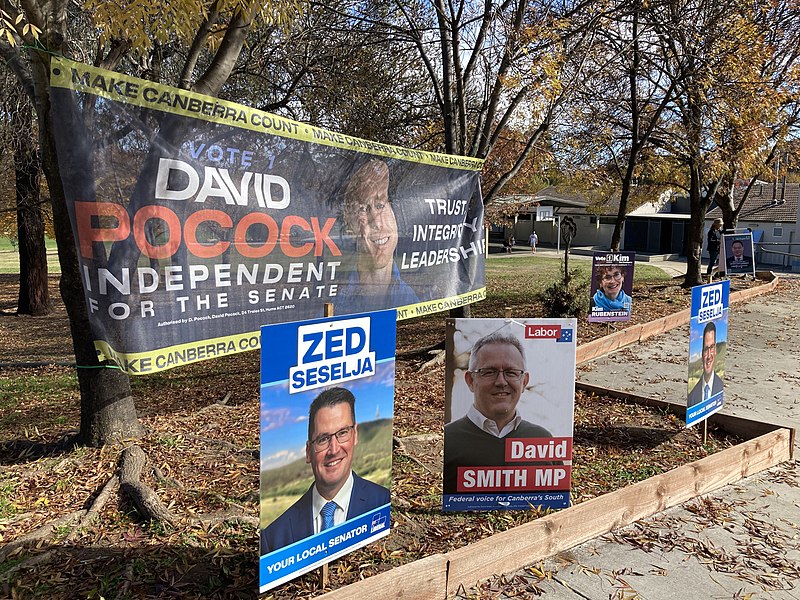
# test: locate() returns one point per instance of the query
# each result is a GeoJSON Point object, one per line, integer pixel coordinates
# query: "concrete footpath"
{"type": "Point", "coordinates": [741, 542]}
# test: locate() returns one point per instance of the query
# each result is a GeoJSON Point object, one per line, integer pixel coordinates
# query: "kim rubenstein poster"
{"type": "Point", "coordinates": [612, 286]}
{"type": "Point", "coordinates": [197, 220]}
{"type": "Point", "coordinates": [708, 348]}
{"type": "Point", "coordinates": [509, 400]}
{"type": "Point", "coordinates": [327, 403]}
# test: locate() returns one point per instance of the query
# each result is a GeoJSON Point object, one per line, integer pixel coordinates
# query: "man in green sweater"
{"type": "Point", "coordinates": [496, 376]}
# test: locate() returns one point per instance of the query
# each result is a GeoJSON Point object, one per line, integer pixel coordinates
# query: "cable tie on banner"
{"type": "Point", "coordinates": [41, 48]}
{"type": "Point", "coordinates": [515, 322]}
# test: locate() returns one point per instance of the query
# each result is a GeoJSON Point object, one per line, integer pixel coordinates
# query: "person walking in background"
{"type": "Point", "coordinates": [713, 240]}
{"type": "Point", "coordinates": [533, 240]}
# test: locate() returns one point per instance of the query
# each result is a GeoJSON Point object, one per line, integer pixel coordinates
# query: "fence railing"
{"type": "Point", "coordinates": [760, 247]}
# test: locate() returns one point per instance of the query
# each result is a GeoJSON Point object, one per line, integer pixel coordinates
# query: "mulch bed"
{"type": "Point", "coordinates": [202, 450]}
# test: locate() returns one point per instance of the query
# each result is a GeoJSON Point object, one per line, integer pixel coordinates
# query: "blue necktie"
{"type": "Point", "coordinates": [327, 514]}
{"type": "Point", "coordinates": [708, 392]}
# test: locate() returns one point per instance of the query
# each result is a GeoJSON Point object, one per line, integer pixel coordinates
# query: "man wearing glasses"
{"type": "Point", "coordinates": [369, 216]}
{"type": "Point", "coordinates": [710, 383]}
{"type": "Point", "coordinates": [496, 376]}
{"type": "Point", "coordinates": [609, 295]}
{"type": "Point", "coordinates": [337, 493]}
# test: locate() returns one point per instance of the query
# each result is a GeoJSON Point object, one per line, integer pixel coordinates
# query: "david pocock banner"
{"type": "Point", "coordinates": [197, 220]}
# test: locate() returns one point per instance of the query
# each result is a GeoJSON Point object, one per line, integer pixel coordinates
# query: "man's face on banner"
{"type": "Point", "coordinates": [492, 381]}
{"type": "Point", "coordinates": [738, 249]}
{"type": "Point", "coordinates": [709, 353]}
{"type": "Point", "coordinates": [369, 214]}
{"type": "Point", "coordinates": [330, 449]}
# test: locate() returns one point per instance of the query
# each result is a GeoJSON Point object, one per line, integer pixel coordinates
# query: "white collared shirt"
{"type": "Point", "coordinates": [489, 426]}
{"type": "Point", "coordinates": [342, 500]}
{"type": "Point", "coordinates": [709, 383]}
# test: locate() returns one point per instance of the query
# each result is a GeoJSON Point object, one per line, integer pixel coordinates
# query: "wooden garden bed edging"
{"type": "Point", "coordinates": [440, 575]}
{"type": "Point", "coordinates": [639, 333]}
{"type": "Point", "coordinates": [739, 426]}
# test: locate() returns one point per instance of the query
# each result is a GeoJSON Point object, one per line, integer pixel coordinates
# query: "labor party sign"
{"type": "Point", "coordinates": [612, 286]}
{"type": "Point", "coordinates": [197, 220]}
{"type": "Point", "coordinates": [509, 398]}
{"type": "Point", "coordinates": [708, 345]}
{"type": "Point", "coordinates": [327, 399]}
{"type": "Point", "coordinates": [737, 253]}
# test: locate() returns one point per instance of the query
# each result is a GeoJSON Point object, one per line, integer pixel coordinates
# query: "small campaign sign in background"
{"type": "Point", "coordinates": [708, 347]}
{"type": "Point", "coordinates": [509, 401]}
{"type": "Point", "coordinates": [612, 286]}
{"type": "Point", "coordinates": [303, 457]}
{"type": "Point", "coordinates": [737, 253]}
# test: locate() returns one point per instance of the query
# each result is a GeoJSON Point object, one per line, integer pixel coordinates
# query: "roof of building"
{"type": "Point", "coordinates": [549, 196]}
{"type": "Point", "coordinates": [766, 202]}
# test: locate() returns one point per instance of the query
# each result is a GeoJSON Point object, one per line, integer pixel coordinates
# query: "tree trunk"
{"type": "Point", "coordinates": [108, 413]}
{"type": "Point", "coordinates": [695, 234]}
{"type": "Point", "coordinates": [725, 201]}
{"type": "Point", "coordinates": [34, 295]}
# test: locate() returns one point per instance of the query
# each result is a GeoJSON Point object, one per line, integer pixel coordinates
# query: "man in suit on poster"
{"type": "Point", "coordinates": [737, 262]}
{"type": "Point", "coordinates": [337, 494]}
{"type": "Point", "coordinates": [710, 383]}
{"type": "Point", "coordinates": [496, 377]}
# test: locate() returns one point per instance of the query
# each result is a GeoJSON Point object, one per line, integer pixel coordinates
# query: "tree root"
{"type": "Point", "coordinates": [417, 351]}
{"type": "Point", "coordinates": [129, 486]}
{"type": "Point", "coordinates": [210, 521]}
{"type": "Point", "coordinates": [148, 504]}
{"type": "Point", "coordinates": [161, 478]}
{"type": "Point", "coordinates": [435, 361]}
{"type": "Point", "coordinates": [254, 452]}
{"type": "Point", "coordinates": [111, 486]}
{"type": "Point", "coordinates": [34, 560]}
{"type": "Point", "coordinates": [76, 519]}
{"type": "Point", "coordinates": [223, 403]}
{"type": "Point", "coordinates": [143, 498]}
{"type": "Point", "coordinates": [42, 534]}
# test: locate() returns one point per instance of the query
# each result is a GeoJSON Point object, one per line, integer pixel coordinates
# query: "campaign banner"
{"type": "Point", "coordinates": [197, 220]}
{"type": "Point", "coordinates": [509, 405]}
{"type": "Point", "coordinates": [612, 286]}
{"type": "Point", "coordinates": [737, 253]}
{"type": "Point", "coordinates": [327, 404]}
{"type": "Point", "coordinates": [708, 347]}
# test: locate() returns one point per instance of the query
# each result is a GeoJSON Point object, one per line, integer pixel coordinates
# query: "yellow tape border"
{"type": "Point", "coordinates": [122, 88]}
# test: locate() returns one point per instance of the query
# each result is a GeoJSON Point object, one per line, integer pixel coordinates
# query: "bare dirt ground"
{"type": "Point", "coordinates": [87, 540]}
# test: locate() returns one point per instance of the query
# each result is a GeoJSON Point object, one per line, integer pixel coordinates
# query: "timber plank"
{"type": "Point", "coordinates": [639, 333]}
{"type": "Point", "coordinates": [513, 549]}
{"type": "Point", "coordinates": [438, 575]}
{"type": "Point", "coordinates": [424, 579]}
{"type": "Point", "coordinates": [739, 426]}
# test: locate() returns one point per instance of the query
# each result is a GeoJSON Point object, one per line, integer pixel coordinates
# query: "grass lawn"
{"type": "Point", "coordinates": [514, 280]}
{"type": "Point", "coordinates": [9, 256]}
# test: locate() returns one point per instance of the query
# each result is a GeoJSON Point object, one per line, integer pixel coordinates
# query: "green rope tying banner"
{"type": "Point", "coordinates": [109, 366]}
{"type": "Point", "coordinates": [38, 48]}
